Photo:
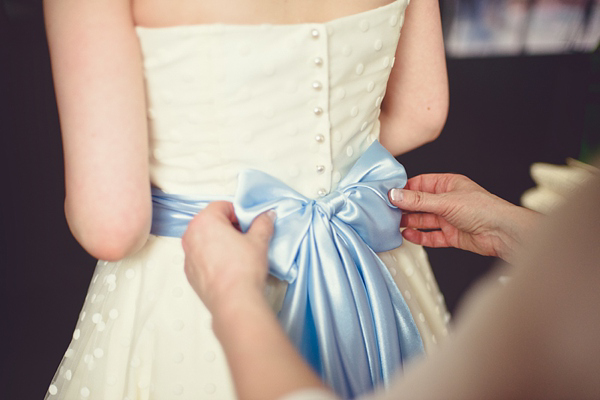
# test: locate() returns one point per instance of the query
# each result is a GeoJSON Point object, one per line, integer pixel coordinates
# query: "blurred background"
{"type": "Point", "coordinates": [524, 87]}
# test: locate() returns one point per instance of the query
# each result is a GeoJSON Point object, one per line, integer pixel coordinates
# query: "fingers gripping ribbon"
{"type": "Point", "coordinates": [342, 308]}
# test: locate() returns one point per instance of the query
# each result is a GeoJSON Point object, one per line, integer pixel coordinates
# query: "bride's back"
{"type": "Point", "coordinates": [158, 13]}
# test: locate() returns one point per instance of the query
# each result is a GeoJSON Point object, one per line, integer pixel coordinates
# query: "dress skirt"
{"type": "Point", "coordinates": [143, 333]}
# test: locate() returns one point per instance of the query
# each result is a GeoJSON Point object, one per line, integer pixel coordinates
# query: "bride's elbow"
{"type": "Point", "coordinates": [432, 123]}
{"type": "Point", "coordinates": [402, 132]}
{"type": "Point", "coordinates": [109, 234]}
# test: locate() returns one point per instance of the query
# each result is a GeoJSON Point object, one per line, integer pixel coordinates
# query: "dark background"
{"type": "Point", "coordinates": [505, 113]}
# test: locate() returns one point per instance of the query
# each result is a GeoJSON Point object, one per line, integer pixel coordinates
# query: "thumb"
{"type": "Point", "coordinates": [412, 200]}
{"type": "Point", "coordinates": [262, 227]}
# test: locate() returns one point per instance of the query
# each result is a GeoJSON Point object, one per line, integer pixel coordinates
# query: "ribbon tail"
{"type": "Point", "coordinates": [398, 342]}
{"type": "Point", "coordinates": [347, 326]}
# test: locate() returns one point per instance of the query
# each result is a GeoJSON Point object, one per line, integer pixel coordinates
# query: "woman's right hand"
{"type": "Point", "coordinates": [448, 210]}
{"type": "Point", "coordinates": [224, 265]}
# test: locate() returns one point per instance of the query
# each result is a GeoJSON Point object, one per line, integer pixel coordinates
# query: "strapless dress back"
{"type": "Point", "coordinates": [300, 102]}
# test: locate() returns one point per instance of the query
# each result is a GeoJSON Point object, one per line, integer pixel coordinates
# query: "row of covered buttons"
{"type": "Point", "coordinates": [318, 110]}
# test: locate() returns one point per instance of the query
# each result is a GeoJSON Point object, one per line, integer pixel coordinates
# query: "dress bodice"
{"type": "Point", "coordinates": [300, 102]}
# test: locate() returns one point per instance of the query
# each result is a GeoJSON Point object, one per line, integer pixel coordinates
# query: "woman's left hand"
{"type": "Point", "coordinates": [222, 264]}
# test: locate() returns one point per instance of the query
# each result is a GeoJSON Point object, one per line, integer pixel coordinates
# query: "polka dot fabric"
{"type": "Point", "coordinates": [300, 102]}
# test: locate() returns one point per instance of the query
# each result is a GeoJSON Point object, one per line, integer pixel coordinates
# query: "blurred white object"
{"type": "Point", "coordinates": [555, 183]}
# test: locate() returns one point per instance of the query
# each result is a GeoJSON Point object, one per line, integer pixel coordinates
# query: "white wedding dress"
{"type": "Point", "coordinates": [300, 102]}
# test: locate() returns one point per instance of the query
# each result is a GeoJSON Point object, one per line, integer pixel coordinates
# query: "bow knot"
{"type": "Point", "coordinates": [332, 203]}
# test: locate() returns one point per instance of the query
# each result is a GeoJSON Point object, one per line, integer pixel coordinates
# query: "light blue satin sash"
{"type": "Point", "coordinates": [342, 309]}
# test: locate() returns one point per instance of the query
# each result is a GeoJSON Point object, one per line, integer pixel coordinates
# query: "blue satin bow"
{"type": "Point", "coordinates": [342, 308]}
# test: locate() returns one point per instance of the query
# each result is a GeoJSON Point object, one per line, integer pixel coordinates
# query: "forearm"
{"type": "Point", "coordinates": [264, 363]}
{"type": "Point", "coordinates": [535, 338]}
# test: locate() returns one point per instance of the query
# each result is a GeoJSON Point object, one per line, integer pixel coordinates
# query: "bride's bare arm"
{"type": "Point", "coordinates": [415, 107]}
{"type": "Point", "coordinates": [97, 68]}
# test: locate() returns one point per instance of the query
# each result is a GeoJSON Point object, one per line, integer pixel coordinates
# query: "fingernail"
{"type": "Point", "coordinates": [272, 215]}
{"type": "Point", "coordinates": [396, 194]}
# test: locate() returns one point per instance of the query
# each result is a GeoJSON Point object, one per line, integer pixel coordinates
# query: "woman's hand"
{"type": "Point", "coordinates": [228, 269]}
{"type": "Point", "coordinates": [447, 210]}
{"type": "Point", "coordinates": [222, 264]}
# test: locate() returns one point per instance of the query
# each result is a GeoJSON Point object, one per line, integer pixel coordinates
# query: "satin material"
{"type": "Point", "coordinates": [342, 308]}
{"type": "Point", "coordinates": [171, 213]}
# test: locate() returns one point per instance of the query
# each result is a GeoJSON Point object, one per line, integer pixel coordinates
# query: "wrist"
{"type": "Point", "coordinates": [514, 231]}
{"type": "Point", "coordinates": [228, 310]}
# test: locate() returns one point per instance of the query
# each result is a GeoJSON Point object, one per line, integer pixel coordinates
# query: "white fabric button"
{"type": "Point", "coordinates": [320, 169]}
{"type": "Point", "coordinates": [320, 138]}
{"type": "Point", "coordinates": [378, 44]}
{"type": "Point", "coordinates": [317, 85]}
{"type": "Point", "coordinates": [318, 61]}
{"type": "Point", "coordinates": [318, 110]}
{"type": "Point", "coordinates": [321, 192]}
{"type": "Point", "coordinates": [315, 34]}
{"type": "Point", "coordinates": [364, 25]}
